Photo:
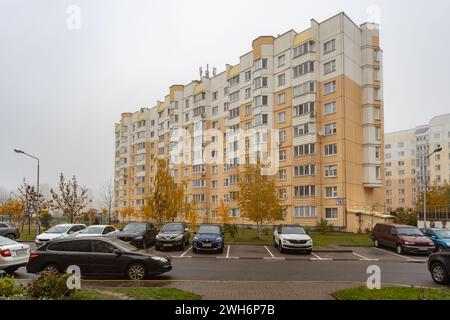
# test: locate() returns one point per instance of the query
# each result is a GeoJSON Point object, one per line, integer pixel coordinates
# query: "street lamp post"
{"type": "Point", "coordinates": [438, 149]}
{"type": "Point", "coordinates": [37, 185]}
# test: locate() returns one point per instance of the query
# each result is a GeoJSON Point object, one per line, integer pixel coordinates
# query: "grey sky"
{"type": "Point", "coordinates": [61, 91]}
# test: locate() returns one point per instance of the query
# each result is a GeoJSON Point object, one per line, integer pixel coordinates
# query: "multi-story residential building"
{"type": "Point", "coordinates": [406, 152]}
{"type": "Point", "coordinates": [320, 89]}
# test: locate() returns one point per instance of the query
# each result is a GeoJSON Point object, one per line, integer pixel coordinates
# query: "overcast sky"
{"type": "Point", "coordinates": [62, 89]}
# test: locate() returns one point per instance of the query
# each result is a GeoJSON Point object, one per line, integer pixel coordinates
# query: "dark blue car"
{"type": "Point", "coordinates": [208, 238]}
{"type": "Point", "coordinates": [440, 237]}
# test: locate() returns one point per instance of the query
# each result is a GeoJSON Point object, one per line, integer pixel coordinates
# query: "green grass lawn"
{"type": "Point", "coordinates": [134, 293]}
{"type": "Point", "coordinates": [249, 236]}
{"type": "Point", "coordinates": [393, 293]}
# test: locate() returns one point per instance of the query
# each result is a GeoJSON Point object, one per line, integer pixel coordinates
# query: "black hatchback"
{"type": "Point", "coordinates": [97, 257]}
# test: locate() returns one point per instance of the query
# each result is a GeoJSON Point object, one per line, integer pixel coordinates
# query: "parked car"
{"type": "Point", "coordinates": [97, 256]}
{"type": "Point", "coordinates": [440, 237]}
{"type": "Point", "coordinates": [59, 231]}
{"type": "Point", "coordinates": [13, 255]}
{"type": "Point", "coordinates": [139, 234]}
{"type": "Point", "coordinates": [171, 235]}
{"type": "Point", "coordinates": [402, 238]}
{"type": "Point", "coordinates": [292, 237]}
{"type": "Point", "coordinates": [9, 231]}
{"type": "Point", "coordinates": [439, 267]}
{"type": "Point", "coordinates": [208, 238]}
{"type": "Point", "coordinates": [98, 231]}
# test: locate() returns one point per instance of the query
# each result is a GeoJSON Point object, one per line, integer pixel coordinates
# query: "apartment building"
{"type": "Point", "coordinates": [311, 100]}
{"type": "Point", "coordinates": [405, 165]}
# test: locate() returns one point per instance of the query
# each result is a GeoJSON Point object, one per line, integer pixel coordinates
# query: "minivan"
{"type": "Point", "coordinates": [402, 238]}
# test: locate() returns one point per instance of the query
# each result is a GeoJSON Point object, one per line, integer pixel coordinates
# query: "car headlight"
{"type": "Point", "coordinates": [158, 237]}
{"type": "Point", "coordinates": [179, 237]}
{"type": "Point", "coordinates": [139, 238]}
{"type": "Point", "coordinates": [160, 259]}
{"type": "Point", "coordinates": [448, 243]}
{"type": "Point", "coordinates": [410, 243]}
{"type": "Point", "coordinates": [219, 239]}
{"type": "Point", "coordinates": [195, 238]}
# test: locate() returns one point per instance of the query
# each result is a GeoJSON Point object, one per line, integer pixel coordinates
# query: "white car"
{"type": "Point", "coordinates": [13, 255]}
{"type": "Point", "coordinates": [292, 237]}
{"type": "Point", "coordinates": [59, 231]}
{"type": "Point", "coordinates": [98, 231]}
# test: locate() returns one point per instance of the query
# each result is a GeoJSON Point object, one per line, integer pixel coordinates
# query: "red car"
{"type": "Point", "coordinates": [402, 238]}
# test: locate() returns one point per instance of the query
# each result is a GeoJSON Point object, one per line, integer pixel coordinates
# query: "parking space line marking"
{"type": "Point", "coordinates": [364, 258]}
{"type": "Point", "coordinates": [398, 255]}
{"type": "Point", "coordinates": [183, 255]}
{"type": "Point", "coordinates": [271, 254]}
{"type": "Point", "coordinates": [228, 254]}
{"type": "Point", "coordinates": [319, 258]}
{"type": "Point", "coordinates": [228, 251]}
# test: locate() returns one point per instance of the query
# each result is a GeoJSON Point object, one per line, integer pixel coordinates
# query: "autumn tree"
{"type": "Point", "coordinates": [258, 198]}
{"type": "Point", "coordinates": [13, 208]}
{"type": "Point", "coordinates": [191, 213]}
{"type": "Point", "coordinates": [127, 213]}
{"type": "Point", "coordinates": [438, 198]}
{"type": "Point", "coordinates": [32, 202]}
{"type": "Point", "coordinates": [70, 198]}
{"type": "Point", "coordinates": [108, 198]}
{"type": "Point", "coordinates": [223, 213]}
{"type": "Point", "coordinates": [166, 199]}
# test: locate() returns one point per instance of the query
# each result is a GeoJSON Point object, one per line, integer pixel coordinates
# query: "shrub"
{"type": "Point", "coordinates": [50, 285]}
{"type": "Point", "coordinates": [231, 229]}
{"type": "Point", "coordinates": [323, 226]}
{"type": "Point", "coordinates": [8, 287]}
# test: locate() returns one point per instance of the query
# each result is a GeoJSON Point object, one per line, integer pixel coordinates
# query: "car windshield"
{"type": "Point", "coordinates": [409, 232]}
{"type": "Point", "coordinates": [172, 227]}
{"type": "Point", "coordinates": [134, 227]}
{"type": "Point", "coordinates": [58, 229]}
{"type": "Point", "coordinates": [293, 230]}
{"type": "Point", "coordinates": [209, 229]}
{"type": "Point", "coordinates": [6, 242]}
{"type": "Point", "coordinates": [443, 233]}
{"type": "Point", "coordinates": [123, 245]}
{"type": "Point", "coordinates": [93, 230]}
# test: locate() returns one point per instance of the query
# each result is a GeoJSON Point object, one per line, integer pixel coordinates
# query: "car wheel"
{"type": "Point", "coordinates": [439, 273]}
{"type": "Point", "coordinates": [376, 244]}
{"type": "Point", "coordinates": [157, 247]}
{"type": "Point", "coordinates": [220, 250]}
{"type": "Point", "coordinates": [52, 268]}
{"type": "Point", "coordinates": [11, 236]}
{"type": "Point", "coordinates": [10, 270]}
{"type": "Point", "coordinates": [308, 251]}
{"type": "Point", "coordinates": [187, 241]}
{"type": "Point", "coordinates": [399, 249]}
{"type": "Point", "coordinates": [194, 250]}
{"type": "Point", "coordinates": [183, 245]}
{"type": "Point", "coordinates": [136, 271]}
{"type": "Point", "coordinates": [280, 247]}
{"type": "Point", "coordinates": [440, 248]}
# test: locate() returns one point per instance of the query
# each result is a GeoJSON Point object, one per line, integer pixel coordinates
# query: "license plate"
{"type": "Point", "coordinates": [207, 245]}
{"type": "Point", "coordinates": [21, 252]}
{"type": "Point", "coordinates": [167, 245]}
{"type": "Point", "coordinates": [423, 249]}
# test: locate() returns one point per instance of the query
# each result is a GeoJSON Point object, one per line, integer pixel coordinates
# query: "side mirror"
{"type": "Point", "coordinates": [70, 232]}
{"type": "Point", "coordinates": [186, 229]}
{"type": "Point", "coordinates": [117, 252]}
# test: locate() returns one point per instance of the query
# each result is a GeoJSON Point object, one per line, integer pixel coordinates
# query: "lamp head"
{"type": "Point", "coordinates": [438, 148]}
{"type": "Point", "coordinates": [18, 151]}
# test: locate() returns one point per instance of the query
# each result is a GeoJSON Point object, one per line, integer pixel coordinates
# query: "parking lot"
{"type": "Point", "coordinates": [268, 252]}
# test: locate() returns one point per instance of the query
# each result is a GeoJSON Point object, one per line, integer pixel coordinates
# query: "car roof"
{"type": "Point", "coordinates": [100, 225]}
{"type": "Point", "coordinates": [396, 225]}
{"type": "Point", "coordinates": [79, 239]}
{"type": "Point", "coordinates": [290, 225]}
{"type": "Point", "coordinates": [69, 224]}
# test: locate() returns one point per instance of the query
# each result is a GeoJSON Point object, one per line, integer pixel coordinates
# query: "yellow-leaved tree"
{"type": "Point", "coordinates": [258, 197]}
{"type": "Point", "coordinates": [166, 199]}
{"type": "Point", "coordinates": [223, 213]}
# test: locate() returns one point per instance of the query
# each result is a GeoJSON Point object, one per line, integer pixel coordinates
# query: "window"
{"type": "Point", "coordinates": [378, 173]}
{"type": "Point", "coordinates": [304, 108]}
{"type": "Point", "coordinates": [260, 101]}
{"type": "Point", "coordinates": [215, 96]}
{"type": "Point", "coordinates": [378, 153]}
{"type": "Point", "coordinates": [303, 48]}
{"type": "Point", "coordinates": [304, 88]}
{"type": "Point", "coordinates": [331, 192]}
{"type": "Point", "coordinates": [304, 149]}
{"type": "Point", "coordinates": [304, 191]}
{"type": "Point", "coordinates": [281, 98]}
{"type": "Point", "coordinates": [329, 46]}
{"type": "Point", "coordinates": [305, 212]}
{"type": "Point", "coordinates": [301, 130]}
{"type": "Point", "coordinates": [248, 76]}
{"type": "Point", "coordinates": [102, 247]}
{"type": "Point", "coordinates": [330, 129]}
{"type": "Point", "coordinates": [282, 194]}
{"type": "Point", "coordinates": [281, 117]}
{"type": "Point", "coordinates": [331, 171]}
{"type": "Point", "coordinates": [261, 64]}
{"type": "Point", "coordinates": [329, 67]}
{"type": "Point", "coordinates": [248, 93]}
{"type": "Point", "coordinates": [282, 155]}
{"type": "Point", "coordinates": [329, 87]}
{"type": "Point", "coordinates": [248, 110]}
{"type": "Point", "coordinates": [331, 149]}
{"type": "Point", "coordinates": [260, 119]}
{"type": "Point", "coordinates": [305, 170]}
{"type": "Point", "coordinates": [281, 79]}
{"type": "Point", "coordinates": [199, 183]}
{"type": "Point", "coordinates": [330, 107]}
{"type": "Point", "coordinates": [215, 111]}
{"type": "Point", "coordinates": [234, 113]}
{"type": "Point", "coordinates": [282, 174]}
{"type": "Point", "coordinates": [376, 113]}
{"type": "Point", "coordinates": [233, 81]}
{"type": "Point", "coordinates": [331, 213]}
{"type": "Point", "coordinates": [234, 96]}
{"type": "Point", "coordinates": [198, 197]}
{"type": "Point", "coordinates": [260, 82]}
{"type": "Point", "coordinates": [378, 133]}
{"type": "Point", "coordinates": [282, 136]}
{"type": "Point", "coordinates": [303, 69]}
{"type": "Point", "coordinates": [281, 60]}
{"type": "Point", "coordinates": [199, 97]}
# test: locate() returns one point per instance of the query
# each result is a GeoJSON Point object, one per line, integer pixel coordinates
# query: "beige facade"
{"type": "Point", "coordinates": [405, 161]}
{"type": "Point", "coordinates": [320, 89]}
